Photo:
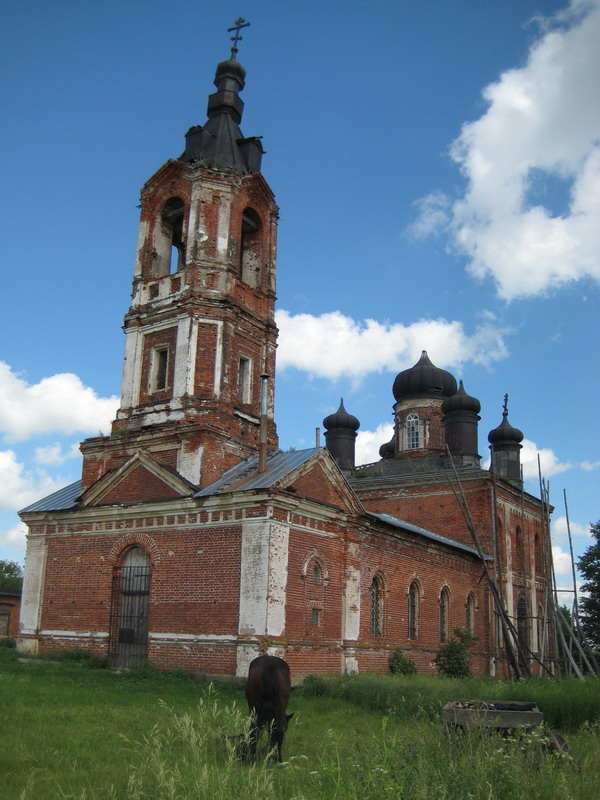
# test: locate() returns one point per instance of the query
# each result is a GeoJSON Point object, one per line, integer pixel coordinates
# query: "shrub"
{"type": "Point", "coordinates": [9, 643]}
{"type": "Point", "coordinates": [401, 664]}
{"type": "Point", "coordinates": [453, 659]}
{"type": "Point", "coordinates": [79, 656]}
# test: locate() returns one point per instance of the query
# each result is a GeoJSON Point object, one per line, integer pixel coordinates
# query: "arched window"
{"type": "Point", "coordinates": [250, 249]}
{"type": "Point", "coordinates": [540, 627]}
{"type": "Point", "coordinates": [471, 606]}
{"type": "Point", "coordinates": [376, 606]}
{"type": "Point", "coordinates": [413, 438]}
{"type": "Point", "coordinates": [317, 573]}
{"type": "Point", "coordinates": [444, 613]}
{"type": "Point", "coordinates": [517, 558]}
{"type": "Point", "coordinates": [132, 589]}
{"type": "Point", "coordinates": [522, 630]}
{"type": "Point", "coordinates": [538, 553]}
{"type": "Point", "coordinates": [413, 611]}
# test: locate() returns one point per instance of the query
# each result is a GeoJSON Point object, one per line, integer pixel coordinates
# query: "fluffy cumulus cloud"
{"type": "Point", "coordinates": [333, 345]}
{"type": "Point", "coordinates": [528, 215]}
{"type": "Point", "coordinates": [549, 462]}
{"type": "Point", "coordinates": [19, 487]}
{"type": "Point", "coordinates": [369, 442]}
{"type": "Point", "coordinates": [60, 403]}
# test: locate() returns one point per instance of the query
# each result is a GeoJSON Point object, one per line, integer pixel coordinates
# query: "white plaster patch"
{"type": "Point", "coordinates": [351, 665]}
{"type": "Point", "coordinates": [33, 581]}
{"type": "Point", "coordinates": [263, 579]}
{"type": "Point", "coordinates": [189, 464]}
{"type": "Point", "coordinates": [352, 604]}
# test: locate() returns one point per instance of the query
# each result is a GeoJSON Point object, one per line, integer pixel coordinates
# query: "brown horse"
{"type": "Point", "coordinates": [267, 692]}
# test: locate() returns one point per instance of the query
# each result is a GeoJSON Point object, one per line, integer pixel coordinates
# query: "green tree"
{"type": "Point", "coordinates": [11, 575]}
{"type": "Point", "coordinates": [589, 606]}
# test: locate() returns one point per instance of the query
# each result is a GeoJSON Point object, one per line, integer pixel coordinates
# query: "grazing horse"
{"type": "Point", "coordinates": [267, 692]}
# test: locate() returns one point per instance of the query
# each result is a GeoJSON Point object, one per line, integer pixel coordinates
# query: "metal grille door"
{"type": "Point", "coordinates": [131, 589]}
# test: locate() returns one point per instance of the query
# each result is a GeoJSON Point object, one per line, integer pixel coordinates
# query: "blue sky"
{"type": "Point", "coordinates": [437, 167]}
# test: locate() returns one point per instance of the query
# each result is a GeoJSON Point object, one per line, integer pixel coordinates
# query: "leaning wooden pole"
{"type": "Point", "coordinates": [507, 626]}
{"type": "Point", "coordinates": [581, 640]}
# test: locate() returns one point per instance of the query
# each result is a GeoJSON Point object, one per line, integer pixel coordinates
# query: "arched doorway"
{"type": "Point", "coordinates": [131, 589]}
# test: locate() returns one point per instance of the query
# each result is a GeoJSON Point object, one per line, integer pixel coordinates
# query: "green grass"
{"type": "Point", "coordinates": [74, 733]}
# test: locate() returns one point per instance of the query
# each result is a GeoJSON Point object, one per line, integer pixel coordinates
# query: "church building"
{"type": "Point", "coordinates": [193, 542]}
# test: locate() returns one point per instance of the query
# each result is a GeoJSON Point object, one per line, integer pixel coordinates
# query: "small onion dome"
{"type": "Point", "coordinates": [341, 419]}
{"type": "Point", "coordinates": [423, 380]}
{"type": "Point", "coordinates": [505, 433]}
{"type": "Point", "coordinates": [461, 401]}
{"type": "Point", "coordinates": [387, 450]}
{"type": "Point", "coordinates": [230, 68]}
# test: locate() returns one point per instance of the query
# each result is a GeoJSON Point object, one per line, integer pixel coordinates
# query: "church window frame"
{"type": "Point", "coordinates": [6, 611]}
{"type": "Point", "coordinates": [412, 432]}
{"type": "Point", "coordinates": [377, 605]}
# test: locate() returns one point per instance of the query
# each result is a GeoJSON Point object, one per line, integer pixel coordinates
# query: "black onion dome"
{"type": "Point", "coordinates": [505, 431]}
{"type": "Point", "coordinates": [461, 401]}
{"type": "Point", "coordinates": [229, 68]}
{"type": "Point", "coordinates": [423, 380]}
{"type": "Point", "coordinates": [387, 450]}
{"type": "Point", "coordinates": [341, 419]}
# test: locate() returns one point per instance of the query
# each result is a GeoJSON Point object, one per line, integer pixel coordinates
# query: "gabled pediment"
{"type": "Point", "coordinates": [320, 479]}
{"type": "Point", "coordinates": [140, 479]}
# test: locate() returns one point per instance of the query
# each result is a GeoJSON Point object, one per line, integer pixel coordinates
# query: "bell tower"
{"type": "Point", "coordinates": [200, 330]}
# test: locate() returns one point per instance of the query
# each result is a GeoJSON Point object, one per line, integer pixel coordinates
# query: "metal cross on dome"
{"type": "Point", "coordinates": [237, 26]}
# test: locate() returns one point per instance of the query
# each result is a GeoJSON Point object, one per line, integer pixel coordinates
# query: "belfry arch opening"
{"type": "Point", "coordinates": [169, 242]}
{"type": "Point", "coordinates": [250, 248]}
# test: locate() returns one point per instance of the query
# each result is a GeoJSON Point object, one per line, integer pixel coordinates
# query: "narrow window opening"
{"type": "Point", "coordinates": [315, 617]}
{"type": "Point", "coordinates": [159, 369]}
{"type": "Point", "coordinates": [471, 613]}
{"type": "Point", "coordinates": [444, 604]}
{"type": "Point", "coordinates": [244, 380]}
{"type": "Point", "coordinates": [413, 611]}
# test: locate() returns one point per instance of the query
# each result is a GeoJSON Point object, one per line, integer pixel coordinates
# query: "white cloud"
{"type": "Point", "coordinates": [549, 462]}
{"type": "Point", "coordinates": [333, 345]}
{"type": "Point", "coordinates": [369, 442]}
{"type": "Point", "coordinates": [560, 531]}
{"type": "Point", "coordinates": [562, 561]}
{"type": "Point", "coordinates": [542, 121]}
{"type": "Point", "coordinates": [54, 454]}
{"type": "Point", "coordinates": [12, 542]}
{"type": "Point", "coordinates": [60, 403]}
{"type": "Point", "coordinates": [18, 487]}
{"type": "Point", "coordinates": [588, 466]}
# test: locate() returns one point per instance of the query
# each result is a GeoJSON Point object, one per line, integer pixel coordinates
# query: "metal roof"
{"type": "Point", "coordinates": [245, 476]}
{"type": "Point", "coordinates": [57, 501]}
{"type": "Point", "coordinates": [436, 537]}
